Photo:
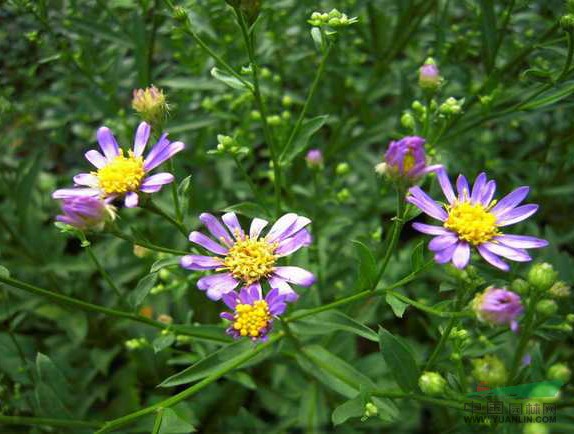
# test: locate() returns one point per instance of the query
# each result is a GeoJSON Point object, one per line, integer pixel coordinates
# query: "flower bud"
{"type": "Point", "coordinates": [490, 370]}
{"type": "Point", "coordinates": [408, 120]}
{"type": "Point", "coordinates": [498, 306]}
{"type": "Point", "coordinates": [559, 290]}
{"type": "Point", "coordinates": [542, 276]}
{"type": "Point", "coordinates": [370, 410]}
{"type": "Point", "coordinates": [344, 195]}
{"type": "Point", "coordinates": [342, 169]}
{"type": "Point", "coordinates": [520, 286]}
{"type": "Point", "coordinates": [179, 13]}
{"type": "Point", "coordinates": [567, 22]}
{"type": "Point", "coordinates": [570, 318]}
{"type": "Point", "coordinates": [429, 76]}
{"type": "Point", "coordinates": [546, 307]}
{"type": "Point", "coordinates": [86, 213]}
{"type": "Point", "coordinates": [287, 101]}
{"type": "Point", "coordinates": [451, 107]}
{"type": "Point", "coordinates": [164, 318]}
{"type": "Point", "coordinates": [314, 159]}
{"type": "Point", "coordinates": [560, 372]}
{"type": "Point", "coordinates": [250, 9]}
{"type": "Point", "coordinates": [150, 104]}
{"type": "Point", "coordinates": [406, 159]}
{"type": "Point", "coordinates": [432, 383]}
{"type": "Point", "coordinates": [274, 120]}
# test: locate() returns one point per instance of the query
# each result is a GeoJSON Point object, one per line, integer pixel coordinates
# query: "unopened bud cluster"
{"type": "Point", "coordinates": [451, 107]}
{"type": "Point", "coordinates": [332, 19]}
{"type": "Point", "coordinates": [150, 103]}
{"type": "Point", "coordinates": [432, 383]}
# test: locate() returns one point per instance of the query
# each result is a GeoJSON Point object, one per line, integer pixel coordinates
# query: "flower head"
{"type": "Point", "coordinates": [314, 158]}
{"type": "Point", "coordinates": [248, 258]}
{"type": "Point", "coordinates": [406, 159]}
{"type": "Point", "coordinates": [473, 219]}
{"type": "Point", "coordinates": [85, 212]}
{"type": "Point", "coordinates": [498, 306]}
{"type": "Point", "coordinates": [150, 103]}
{"type": "Point", "coordinates": [120, 174]}
{"type": "Point", "coordinates": [252, 314]}
{"type": "Point", "coordinates": [429, 75]}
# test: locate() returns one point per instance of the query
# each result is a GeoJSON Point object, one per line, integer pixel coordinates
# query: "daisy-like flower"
{"type": "Point", "coordinates": [248, 258]}
{"type": "Point", "coordinates": [120, 174]}
{"type": "Point", "coordinates": [85, 212]}
{"type": "Point", "coordinates": [252, 314]}
{"type": "Point", "coordinates": [498, 306]}
{"type": "Point", "coordinates": [473, 219]}
{"type": "Point", "coordinates": [406, 159]}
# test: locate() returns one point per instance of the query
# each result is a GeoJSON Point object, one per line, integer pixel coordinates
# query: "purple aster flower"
{"type": "Point", "coordinates": [247, 258]}
{"type": "Point", "coordinates": [498, 306]}
{"type": "Point", "coordinates": [472, 218]}
{"type": "Point", "coordinates": [314, 158]}
{"type": "Point", "coordinates": [406, 158]}
{"type": "Point", "coordinates": [120, 175]}
{"type": "Point", "coordinates": [85, 212]}
{"type": "Point", "coordinates": [252, 314]}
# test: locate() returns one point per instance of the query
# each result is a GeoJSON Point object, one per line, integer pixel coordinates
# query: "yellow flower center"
{"type": "Point", "coordinates": [122, 175]}
{"type": "Point", "coordinates": [471, 222]}
{"type": "Point", "coordinates": [251, 319]}
{"type": "Point", "coordinates": [408, 161]}
{"type": "Point", "coordinates": [250, 259]}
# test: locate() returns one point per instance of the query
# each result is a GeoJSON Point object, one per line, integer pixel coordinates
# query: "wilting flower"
{"type": "Point", "coordinates": [247, 258]}
{"type": "Point", "coordinates": [314, 158]}
{"type": "Point", "coordinates": [124, 175]}
{"type": "Point", "coordinates": [252, 314]}
{"type": "Point", "coordinates": [498, 306]}
{"type": "Point", "coordinates": [473, 219]}
{"type": "Point", "coordinates": [85, 212]}
{"type": "Point", "coordinates": [406, 159]}
{"type": "Point", "coordinates": [150, 103]}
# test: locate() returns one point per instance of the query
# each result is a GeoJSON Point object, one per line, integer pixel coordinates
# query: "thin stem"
{"type": "Point", "coordinates": [190, 391]}
{"type": "Point", "coordinates": [397, 226]}
{"type": "Point", "coordinates": [152, 207]}
{"type": "Point", "coordinates": [568, 61]}
{"type": "Point", "coordinates": [103, 272]}
{"type": "Point", "coordinates": [525, 335]}
{"type": "Point", "coordinates": [174, 195]}
{"type": "Point", "coordinates": [147, 245]}
{"type": "Point", "coordinates": [22, 420]}
{"type": "Point", "coordinates": [245, 175]}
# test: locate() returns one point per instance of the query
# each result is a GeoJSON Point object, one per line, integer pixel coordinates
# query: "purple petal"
{"type": "Point", "coordinates": [108, 143]}
{"type": "Point", "coordinates": [257, 226]}
{"type": "Point", "coordinates": [281, 226]}
{"type": "Point", "coordinates": [510, 201]}
{"type": "Point", "coordinates": [445, 255]}
{"type": "Point", "coordinates": [289, 245]}
{"type": "Point", "coordinates": [65, 193]}
{"type": "Point", "coordinates": [217, 284]}
{"type": "Point", "coordinates": [516, 215]}
{"type": "Point", "coordinates": [284, 288]}
{"type": "Point", "coordinates": [230, 299]}
{"type": "Point", "coordinates": [86, 179]}
{"type": "Point", "coordinates": [442, 242]}
{"type": "Point", "coordinates": [207, 243]}
{"type": "Point", "coordinates": [445, 185]}
{"type": "Point", "coordinates": [295, 275]}
{"type": "Point", "coordinates": [430, 229]}
{"type": "Point", "coordinates": [491, 258]}
{"type": "Point", "coordinates": [255, 291]}
{"type": "Point", "coordinates": [131, 200]}
{"type": "Point", "coordinates": [142, 136]}
{"type": "Point", "coordinates": [199, 262]}
{"type": "Point", "coordinates": [513, 254]}
{"type": "Point", "coordinates": [478, 188]}
{"type": "Point", "coordinates": [154, 183]}
{"type": "Point", "coordinates": [299, 224]}
{"type": "Point", "coordinates": [165, 154]}
{"type": "Point", "coordinates": [422, 201]}
{"type": "Point", "coordinates": [215, 227]}
{"type": "Point", "coordinates": [96, 158]}
{"type": "Point", "coordinates": [232, 223]}
{"type": "Point", "coordinates": [521, 241]}
{"type": "Point", "coordinates": [461, 255]}
{"type": "Point", "coordinates": [488, 193]}
{"type": "Point", "coordinates": [462, 188]}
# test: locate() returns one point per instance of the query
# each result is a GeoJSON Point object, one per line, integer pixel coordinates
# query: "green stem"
{"type": "Point", "coordinates": [190, 391]}
{"type": "Point", "coordinates": [103, 272]}
{"type": "Point", "coordinates": [147, 245]}
{"type": "Point", "coordinates": [248, 179]}
{"type": "Point", "coordinates": [568, 61]}
{"type": "Point", "coordinates": [157, 421]}
{"type": "Point", "coordinates": [152, 207]}
{"type": "Point", "coordinates": [426, 399]}
{"type": "Point", "coordinates": [397, 226]}
{"type": "Point", "coordinates": [525, 335]}
{"type": "Point", "coordinates": [174, 195]}
{"type": "Point", "coordinates": [22, 420]}
{"type": "Point", "coordinates": [310, 95]}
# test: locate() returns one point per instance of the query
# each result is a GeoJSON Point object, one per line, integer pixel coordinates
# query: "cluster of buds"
{"type": "Point", "coordinates": [429, 76]}
{"type": "Point", "coordinates": [332, 19]}
{"type": "Point", "coordinates": [490, 370]}
{"type": "Point", "coordinates": [542, 277]}
{"type": "Point", "coordinates": [560, 289]}
{"type": "Point", "coordinates": [369, 411]}
{"type": "Point", "coordinates": [451, 107]}
{"type": "Point", "coordinates": [314, 159]}
{"type": "Point", "coordinates": [228, 145]}
{"type": "Point", "coordinates": [432, 383]}
{"type": "Point", "coordinates": [136, 344]}
{"type": "Point", "coordinates": [150, 103]}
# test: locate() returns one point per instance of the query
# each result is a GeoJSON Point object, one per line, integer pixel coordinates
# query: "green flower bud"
{"type": "Point", "coordinates": [343, 195]}
{"type": "Point", "coordinates": [542, 276]}
{"type": "Point", "coordinates": [370, 410]}
{"type": "Point", "coordinates": [567, 22]}
{"type": "Point", "coordinates": [274, 120]}
{"type": "Point", "coordinates": [408, 120]}
{"type": "Point", "coordinates": [287, 101]}
{"type": "Point", "coordinates": [570, 318]}
{"type": "Point", "coordinates": [150, 103]}
{"type": "Point", "coordinates": [490, 370]}
{"type": "Point", "coordinates": [432, 383]}
{"type": "Point", "coordinates": [535, 428]}
{"type": "Point", "coordinates": [520, 286]}
{"type": "Point", "coordinates": [418, 107]}
{"type": "Point", "coordinates": [546, 307]}
{"type": "Point", "coordinates": [559, 290]}
{"type": "Point", "coordinates": [342, 169]}
{"type": "Point", "coordinates": [164, 274]}
{"type": "Point", "coordinates": [179, 13]}
{"type": "Point", "coordinates": [255, 115]}
{"type": "Point", "coordinates": [560, 372]}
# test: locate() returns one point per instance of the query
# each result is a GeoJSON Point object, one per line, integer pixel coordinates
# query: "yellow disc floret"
{"type": "Point", "coordinates": [250, 259]}
{"type": "Point", "coordinates": [251, 319]}
{"type": "Point", "coordinates": [471, 222]}
{"type": "Point", "coordinates": [408, 161]}
{"type": "Point", "coordinates": [121, 175]}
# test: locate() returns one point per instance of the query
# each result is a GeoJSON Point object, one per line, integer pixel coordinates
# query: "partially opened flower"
{"type": "Point", "coordinates": [124, 175]}
{"type": "Point", "coordinates": [498, 306]}
{"type": "Point", "coordinates": [252, 314]}
{"type": "Point", "coordinates": [473, 219]}
{"type": "Point", "coordinates": [406, 159]}
{"type": "Point", "coordinates": [85, 212]}
{"type": "Point", "coordinates": [248, 258]}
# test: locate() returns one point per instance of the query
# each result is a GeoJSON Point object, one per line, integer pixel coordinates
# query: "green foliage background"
{"type": "Point", "coordinates": [68, 67]}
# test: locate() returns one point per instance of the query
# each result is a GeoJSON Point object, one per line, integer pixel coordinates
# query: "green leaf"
{"type": "Point", "coordinates": [206, 332]}
{"type": "Point", "coordinates": [550, 98]}
{"type": "Point", "coordinates": [317, 39]}
{"type": "Point", "coordinates": [143, 288]}
{"type": "Point", "coordinates": [300, 141]}
{"type": "Point", "coordinates": [488, 32]}
{"type": "Point", "coordinates": [328, 322]}
{"type": "Point", "coordinates": [352, 408]}
{"type": "Point", "coordinates": [172, 423]}
{"type": "Point", "coordinates": [162, 342]}
{"type": "Point", "coordinates": [418, 257]}
{"type": "Point", "coordinates": [163, 263]}
{"type": "Point", "coordinates": [399, 359]}
{"type": "Point", "coordinates": [249, 209]}
{"type": "Point", "coordinates": [367, 266]}
{"type": "Point", "coordinates": [53, 392]}
{"type": "Point", "coordinates": [29, 171]}
{"type": "Point", "coordinates": [333, 371]}
{"type": "Point", "coordinates": [4, 272]}
{"type": "Point", "coordinates": [397, 305]}
{"type": "Point", "coordinates": [229, 80]}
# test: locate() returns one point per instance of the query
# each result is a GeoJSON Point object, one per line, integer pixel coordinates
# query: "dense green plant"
{"type": "Point", "coordinates": [284, 107]}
